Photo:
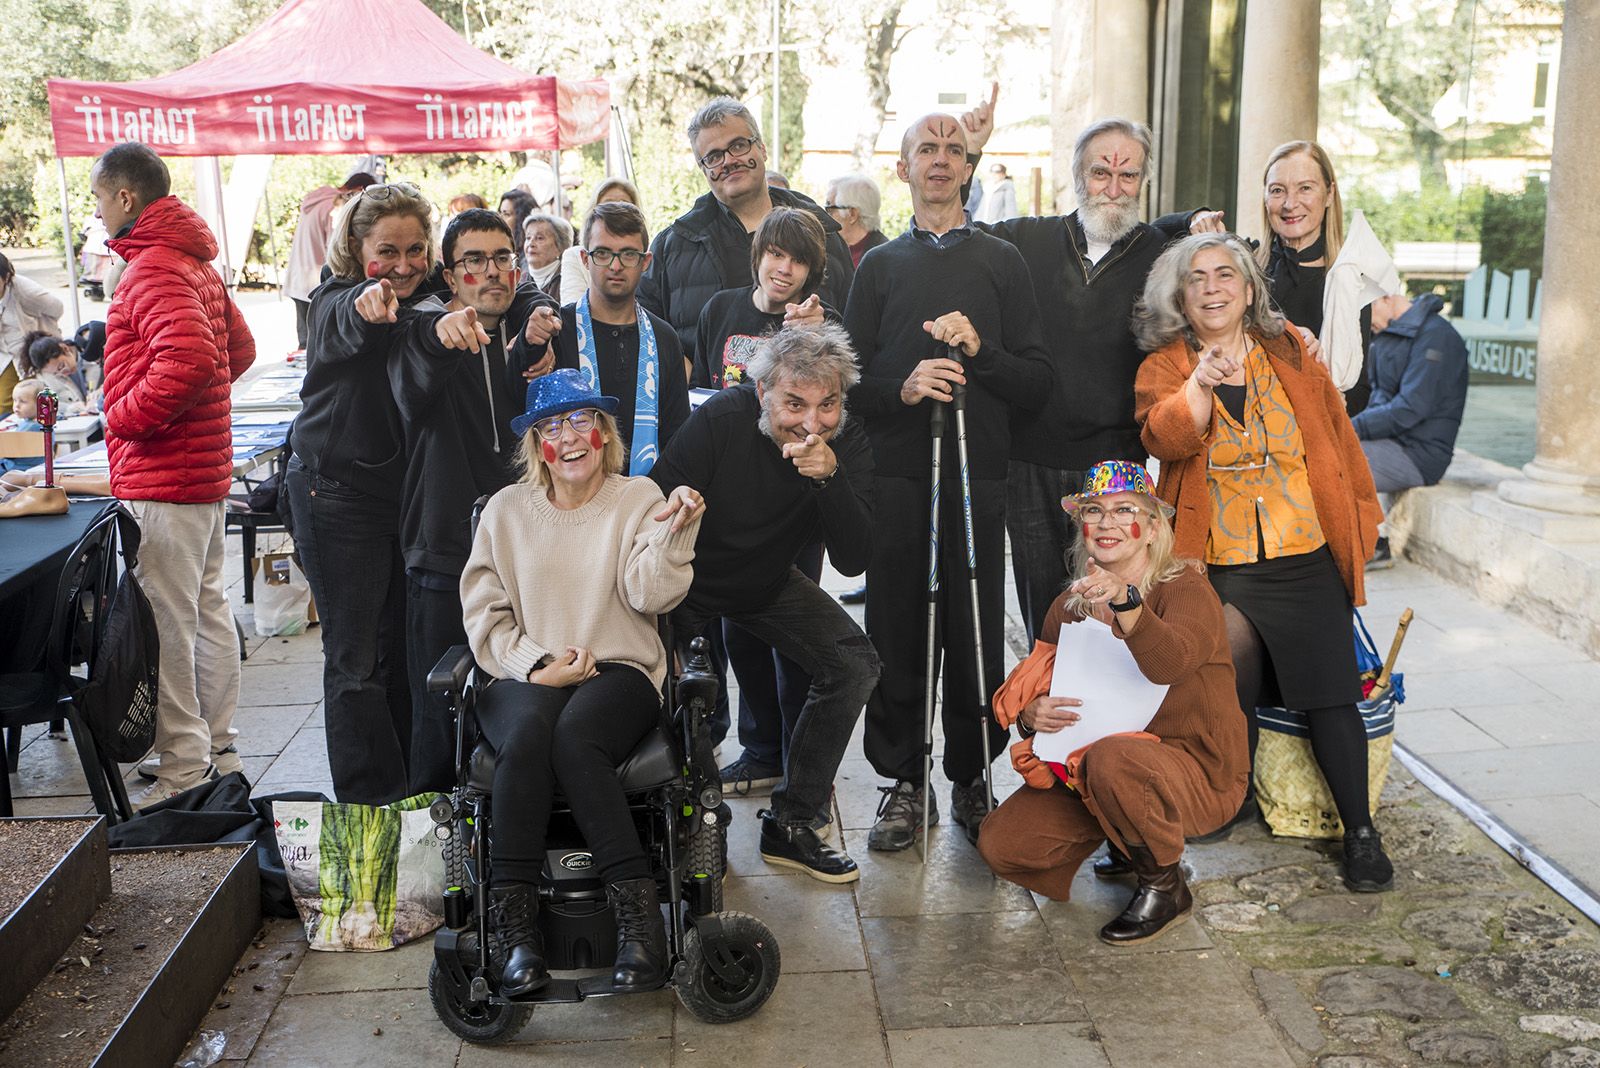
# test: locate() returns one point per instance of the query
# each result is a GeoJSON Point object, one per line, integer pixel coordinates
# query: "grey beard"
{"type": "Point", "coordinates": [1105, 224]}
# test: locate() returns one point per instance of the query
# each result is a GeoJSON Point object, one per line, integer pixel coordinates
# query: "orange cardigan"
{"type": "Point", "coordinates": [1341, 481]}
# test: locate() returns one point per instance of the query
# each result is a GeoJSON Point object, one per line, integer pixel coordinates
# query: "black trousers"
{"type": "Point", "coordinates": [349, 545]}
{"type": "Point", "coordinates": [772, 688]}
{"type": "Point", "coordinates": [433, 625]}
{"type": "Point", "coordinates": [1041, 532]}
{"type": "Point", "coordinates": [302, 315]}
{"type": "Point", "coordinates": [897, 622]}
{"type": "Point", "coordinates": [573, 738]}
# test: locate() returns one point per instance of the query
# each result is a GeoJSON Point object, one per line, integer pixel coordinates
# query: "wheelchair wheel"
{"type": "Point", "coordinates": [738, 979]}
{"type": "Point", "coordinates": [484, 1023]}
{"type": "Point", "coordinates": [708, 857]}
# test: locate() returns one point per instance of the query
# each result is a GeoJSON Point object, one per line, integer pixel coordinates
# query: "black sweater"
{"type": "Point", "coordinates": [730, 326]}
{"type": "Point", "coordinates": [616, 355]}
{"type": "Point", "coordinates": [760, 511]}
{"type": "Point", "coordinates": [907, 282]}
{"type": "Point", "coordinates": [456, 409]}
{"type": "Point", "coordinates": [1087, 313]}
{"type": "Point", "coordinates": [348, 428]}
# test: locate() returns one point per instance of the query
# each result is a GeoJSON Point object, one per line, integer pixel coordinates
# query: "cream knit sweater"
{"type": "Point", "coordinates": [541, 578]}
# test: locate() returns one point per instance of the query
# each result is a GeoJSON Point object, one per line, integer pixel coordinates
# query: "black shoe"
{"type": "Point", "coordinates": [899, 822]}
{"type": "Point", "coordinates": [967, 806]}
{"type": "Point", "coordinates": [1247, 812]}
{"type": "Point", "coordinates": [1162, 900]}
{"type": "Point", "coordinates": [1114, 865]}
{"type": "Point", "coordinates": [796, 845]}
{"type": "Point", "coordinates": [1381, 559]}
{"type": "Point", "coordinates": [513, 909]}
{"type": "Point", "coordinates": [1366, 867]}
{"type": "Point", "coordinates": [855, 596]}
{"type": "Point", "coordinates": [744, 776]}
{"type": "Point", "coordinates": [641, 936]}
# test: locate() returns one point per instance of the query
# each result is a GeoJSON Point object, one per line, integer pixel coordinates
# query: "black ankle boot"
{"type": "Point", "coordinates": [1114, 864]}
{"type": "Point", "coordinates": [1367, 869]}
{"type": "Point", "coordinates": [641, 936]}
{"type": "Point", "coordinates": [1161, 901]}
{"type": "Point", "coordinates": [513, 912]}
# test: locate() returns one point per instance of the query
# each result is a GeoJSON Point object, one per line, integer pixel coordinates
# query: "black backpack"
{"type": "Point", "coordinates": [118, 700]}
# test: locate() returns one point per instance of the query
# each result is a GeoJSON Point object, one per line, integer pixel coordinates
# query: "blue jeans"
{"type": "Point", "coordinates": [349, 546]}
{"type": "Point", "coordinates": [810, 628]}
{"type": "Point", "coordinates": [1040, 534]}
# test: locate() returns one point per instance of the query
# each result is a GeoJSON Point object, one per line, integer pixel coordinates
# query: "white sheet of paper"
{"type": "Point", "coordinates": [1095, 666]}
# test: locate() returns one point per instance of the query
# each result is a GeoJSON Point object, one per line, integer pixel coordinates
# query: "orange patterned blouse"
{"type": "Point", "coordinates": [1256, 474]}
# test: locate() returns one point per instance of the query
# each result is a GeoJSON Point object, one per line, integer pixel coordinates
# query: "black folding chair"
{"type": "Point", "coordinates": [83, 600]}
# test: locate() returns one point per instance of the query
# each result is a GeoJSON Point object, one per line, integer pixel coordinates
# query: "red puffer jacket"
{"type": "Point", "coordinates": [175, 343]}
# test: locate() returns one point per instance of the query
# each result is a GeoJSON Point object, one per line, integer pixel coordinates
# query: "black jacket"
{"type": "Point", "coordinates": [455, 409]}
{"type": "Point", "coordinates": [1087, 315]}
{"type": "Point", "coordinates": [1419, 387]}
{"type": "Point", "coordinates": [707, 249]}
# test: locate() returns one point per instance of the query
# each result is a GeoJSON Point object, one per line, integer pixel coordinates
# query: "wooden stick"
{"type": "Point", "coordinates": [1394, 651]}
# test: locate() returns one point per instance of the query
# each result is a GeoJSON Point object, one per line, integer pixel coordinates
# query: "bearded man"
{"type": "Point", "coordinates": [1088, 269]}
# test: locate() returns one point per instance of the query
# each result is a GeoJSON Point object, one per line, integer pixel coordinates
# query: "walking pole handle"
{"type": "Point", "coordinates": [958, 390]}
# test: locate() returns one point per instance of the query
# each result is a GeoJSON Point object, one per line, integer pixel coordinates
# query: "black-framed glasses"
{"type": "Point", "coordinates": [583, 420]}
{"type": "Point", "coordinates": [478, 262]}
{"type": "Point", "coordinates": [630, 257]}
{"type": "Point", "coordinates": [389, 189]}
{"type": "Point", "coordinates": [836, 207]}
{"type": "Point", "coordinates": [739, 146]}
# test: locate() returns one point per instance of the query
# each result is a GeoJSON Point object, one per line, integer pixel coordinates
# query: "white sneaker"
{"type": "Point", "coordinates": [164, 789]}
{"type": "Point", "coordinates": [227, 761]}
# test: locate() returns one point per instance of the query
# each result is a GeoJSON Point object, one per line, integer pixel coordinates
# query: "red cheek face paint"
{"type": "Point", "coordinates": [594, 439]}
{"type": "Point", "coordinates": [1087, 534]}
{"type": "Point", "coordinates": [468, 278]}
{"type": "Point", "coordinates": [549, 452]}
{"type": "Point", "coordinates": [1134, 529]}
{"type": "Point", "coordinates": [374, 269]}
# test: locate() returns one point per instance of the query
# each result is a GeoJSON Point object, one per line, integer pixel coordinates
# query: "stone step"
{"type": "Point", "coordinates": [68, 853]}
{"type": "Point", "coordinates": [148, 964]}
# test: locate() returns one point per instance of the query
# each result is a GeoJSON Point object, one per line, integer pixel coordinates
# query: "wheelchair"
{"type": "Point", "coordinates": [722, 965]}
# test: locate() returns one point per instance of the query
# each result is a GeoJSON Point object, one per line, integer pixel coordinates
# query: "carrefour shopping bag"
{"type": "Point", "coordinates": [363, 877]}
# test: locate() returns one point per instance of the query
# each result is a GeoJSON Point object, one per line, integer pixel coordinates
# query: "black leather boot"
{"type": "Point", "coordinates": [513, 910]}
{"type": "Point", "coordinates": [1161, 901]}
{"type": "Point", "coordinates": [641, 935]}
{"type": "Point", "coordinates": [1114, 865]}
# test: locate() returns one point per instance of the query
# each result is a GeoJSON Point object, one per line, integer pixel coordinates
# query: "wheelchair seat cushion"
{"type": "Point", "coordinates": [654, 762]}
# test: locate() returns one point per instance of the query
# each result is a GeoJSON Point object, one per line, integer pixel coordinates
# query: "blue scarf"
{"type": "Point", "coordinates": [646, 392]}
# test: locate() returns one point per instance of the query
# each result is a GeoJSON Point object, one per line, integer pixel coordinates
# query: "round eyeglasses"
{"type": "Point", "coordinates": [582, 421]}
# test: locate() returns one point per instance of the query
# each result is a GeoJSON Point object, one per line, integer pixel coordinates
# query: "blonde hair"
{"type": "Point", "coordinates": [28, 387]}
{"type": "Point", "coordinates": [355, 220]}
{"type": "Point", "coordinates": [1332, 220]}
{"type": "Point", "coordinates": [1163, 566]}
{"type": "Point", "coordinates": [535, 472]}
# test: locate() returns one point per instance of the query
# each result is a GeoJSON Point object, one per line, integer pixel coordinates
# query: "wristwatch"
{"type": "Point", "coordinates": [1133, 601]}
{"type": "Point", "coordinates": [822, 482]}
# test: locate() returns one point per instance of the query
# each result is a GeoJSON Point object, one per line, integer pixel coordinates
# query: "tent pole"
{"type": "Point", "coordinates": [222, 225]}
{"type": "Point", "coordinates": [272, 243]}
{"type": "Point", "coordinates": [555, 166]}
{"type": "Point", "coordinates": [66, 238]}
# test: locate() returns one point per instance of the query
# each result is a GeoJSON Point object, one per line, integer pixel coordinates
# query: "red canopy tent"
{"type": "Point", "coordinates": [331, 77]}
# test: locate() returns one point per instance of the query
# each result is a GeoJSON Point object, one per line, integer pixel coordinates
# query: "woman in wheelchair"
{"type": "Point", "coordinates": [568, 571]}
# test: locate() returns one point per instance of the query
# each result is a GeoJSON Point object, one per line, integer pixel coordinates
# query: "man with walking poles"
{"type": "Point", "coordinates": [939, 308]}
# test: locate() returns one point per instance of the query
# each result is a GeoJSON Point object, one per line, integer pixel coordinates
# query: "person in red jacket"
{"type": "Point", "coordinates": [175, 344]}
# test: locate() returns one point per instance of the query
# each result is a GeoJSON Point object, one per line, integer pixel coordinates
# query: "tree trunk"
{"type": "Point", "coordinates": [883, 38]}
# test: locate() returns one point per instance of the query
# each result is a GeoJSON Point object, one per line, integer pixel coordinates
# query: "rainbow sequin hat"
{"type": "Point", "coordinates": [1116, 476]}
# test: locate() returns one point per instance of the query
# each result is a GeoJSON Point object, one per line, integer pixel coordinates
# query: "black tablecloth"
{"type": "Point", "coordinates": [33, 550]}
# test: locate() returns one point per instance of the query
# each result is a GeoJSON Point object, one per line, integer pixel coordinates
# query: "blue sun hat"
{"type": "Point", "coordinates": [1115, 476]}
{"type": "Point", "coordinates": [557, 393]}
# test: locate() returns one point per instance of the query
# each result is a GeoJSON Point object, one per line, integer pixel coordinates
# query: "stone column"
{"type": "Point", "coordinates": [1278, 93]}
{"type": "Point", "coordinates": [1100, 51]}
{"type": "Point", "coordinates": [1565, 473]}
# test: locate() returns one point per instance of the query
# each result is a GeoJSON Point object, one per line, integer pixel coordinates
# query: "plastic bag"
{"type": "Point", "coordinates": [363, 877]}
{"type": "Point", "coordinates": [282, 597]}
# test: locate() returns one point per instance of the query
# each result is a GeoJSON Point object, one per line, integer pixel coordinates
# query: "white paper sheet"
{"type": "Point", "coordinates": [1096, 666]}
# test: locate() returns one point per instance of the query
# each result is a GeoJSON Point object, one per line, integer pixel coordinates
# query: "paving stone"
{"type": "Point", "coordinates": [643, 1016]}
{"type": "Point", "coordinates": [1459, 927]}
{"type": "Point", "coordinates": [811, 1018]}
{"type": "Point", "coordinates": [1413, 830]}
{"type": "Point", "coordinates": [1075, 925]}
{"type": "Point", "coordinates": [1470, 869]}
{"type": "Point", "coordinates": [1571, 1028]}
{"type": "Point", "coordinates": [1059, 1045]}
{"type": "Point", "coordinates": [643, 1052]}
{"type": "Point", "coordinates": [1396, 991]}
{"type": "Point", "coordinates": [1334, 908]}
{"type": "Point", "coordinates": [1571, 1057]}
{"type": "Point", "coordinates": [1351, 1060]}
{"type": "Point", "coordinates": [1458, 1047]}
{"type": "Point", "coordinates": [267, 965]}
{"type": "Point", "coordinates": [1541, 978]}
{"type": "Point", "coordinates": [1235, 917]}
{"type": "Point", "coordinates": [1359, 1030]}
{"type": "Point", "coordinates": [281, 684]}
{"type": "Point", "coordinates": [1537, 923]}
{"type": "Point", "coordinates": [815, 923]}
{"type": "Point", "coordinates": [329, 1029]}
{"type": "Point", "coordinates": [1279, 886]}
{"type": "Point", "coordinates": [1289, 1008]}
{"type": "Point", "coordinates": [1170, 1008]}
{"type": "Point", "coordinates": [968, 970]}
{"type": "Point", "coordinates": [404, 968]}
{"type": "Point", "coordinates": [955, 879]}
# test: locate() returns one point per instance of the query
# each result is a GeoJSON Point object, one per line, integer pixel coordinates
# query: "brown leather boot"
{"type": "Point", "coordinates": [1114, 865]}
{"type": "Point", "coordinates": [1162, 900]}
